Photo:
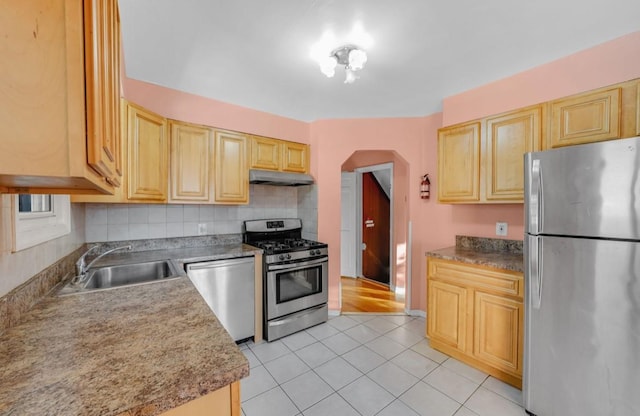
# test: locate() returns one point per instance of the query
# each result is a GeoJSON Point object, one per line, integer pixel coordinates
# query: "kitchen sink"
{"type": "Point", "coordinates": [122, 275]}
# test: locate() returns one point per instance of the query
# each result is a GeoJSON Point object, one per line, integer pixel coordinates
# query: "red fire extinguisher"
{"type": "Point", "coordinates": [425, 187]}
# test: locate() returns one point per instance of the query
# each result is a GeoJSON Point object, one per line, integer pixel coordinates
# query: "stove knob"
{"type": "Point", "coordinates": [281, 257]}
{"type": "Point", "coordinates": [288, 256]}
{"type": "Point", "coordinates": [312, 252]}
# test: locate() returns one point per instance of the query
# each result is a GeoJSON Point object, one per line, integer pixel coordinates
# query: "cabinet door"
{"type": "Point", "coordinates": [295, 157]}
{"type": "Point", "coordinates": [509, 137]}
{"type": "Point", "coordinates": [102, 62]}
{"type": "Point", "coordinates": [43, 140]}
{"type": "Point", "coordinates": [190, 167]}
{"type": "Point", "coordinates": [265, 153]}
{"type": "Point", "coordinates": [585, 118]}
{"type": "Point", "coordinates": [232, 175]}
{"type": "Point", "coordinates": [222, 402]}
{"type": "Point", "coordinates": [447, 310]}
{"type": "Point", "coordinates": [638, 109]}
{"type": "Point", "coordinates": [498, 325]}
{"type": "Point", "coordinates": [147, 155]}
{"type": "Point", "coordinates": [459, 163]}
{"type": "Point", "coordinates": [120, 193]}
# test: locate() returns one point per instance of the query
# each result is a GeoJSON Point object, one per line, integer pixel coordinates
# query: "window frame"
{"type": "Point", "coordinates": [33, 228]}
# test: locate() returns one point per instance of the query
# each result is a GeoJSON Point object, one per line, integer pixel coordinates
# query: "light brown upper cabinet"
{"type": "Point", "coordinates": [231, 170]}
{"type": "Point", "coordinates": [60, 90]}
{"type": "Point", "coordinates": [265, 153]}
{"type": "Point", "coordinates": [295, 157]}
{"type": "Point", "coordinates": [509, 137]}
{"type": "Point", "coordinates": [483, 161]}
{"type": "Point", "coordinates": [585, 118]}
{"type": "Point", "coordinates": [459, 163]}
{"type": "Point", "coordinates": [102, 40]}
{"type": "Point", "coordinates": [147, 155]}
{"type": "Point", "coordinates": [190, 177]}
{"type": "Point", "coordinates": [281, 155]}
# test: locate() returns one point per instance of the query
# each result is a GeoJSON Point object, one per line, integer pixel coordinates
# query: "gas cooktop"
{"type": "Point", "coordinates": [287, 245]}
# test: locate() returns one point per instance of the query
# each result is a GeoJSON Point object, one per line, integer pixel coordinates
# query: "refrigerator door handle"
{"type": "Point", "coordinates": [535, 271]}
{"type": "Point", "coordinates": [535, 198]}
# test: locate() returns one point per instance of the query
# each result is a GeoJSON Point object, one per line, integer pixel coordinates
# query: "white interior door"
{"type": "Point", "coordinates": [348, 234]}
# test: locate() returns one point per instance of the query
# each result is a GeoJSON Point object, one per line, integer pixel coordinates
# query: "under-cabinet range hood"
{"type": "Point", "coordinates": [267, 177]}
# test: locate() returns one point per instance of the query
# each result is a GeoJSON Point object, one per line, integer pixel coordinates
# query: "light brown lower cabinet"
{"type": "Point", "coordinates": [222, 402]}
{"type": "Point", "coordinates": [475, 314]}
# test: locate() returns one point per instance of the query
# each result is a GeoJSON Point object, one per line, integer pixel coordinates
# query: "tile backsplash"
{"type": "Point", "coordinates": [115, 222]}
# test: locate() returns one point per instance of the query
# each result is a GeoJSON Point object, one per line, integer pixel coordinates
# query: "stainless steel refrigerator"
{"type": "Point", "coordinates": [582, 274]}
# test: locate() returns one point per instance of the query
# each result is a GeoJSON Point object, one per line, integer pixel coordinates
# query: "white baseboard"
{"type": "Point", "coordinates": [417, 312]}
{"type": "Point", "coordinates": [334, 312]}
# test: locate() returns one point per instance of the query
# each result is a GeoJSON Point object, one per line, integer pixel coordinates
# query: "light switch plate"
{"type": "Point", "coordinates": [202, 229]}
{"type": "Point", "coordinates": [501, 228]}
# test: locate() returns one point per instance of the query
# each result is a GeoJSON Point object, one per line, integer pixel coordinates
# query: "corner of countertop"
{"type": "Point", "coordinates": [493, 252]}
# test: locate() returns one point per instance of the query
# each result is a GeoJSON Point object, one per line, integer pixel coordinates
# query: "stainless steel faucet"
{"type": "Point", "coordinates": [82, 267]}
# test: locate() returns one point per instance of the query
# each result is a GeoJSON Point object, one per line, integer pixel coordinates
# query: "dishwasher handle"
{"type": "Point", "coordinates": [219, 263]}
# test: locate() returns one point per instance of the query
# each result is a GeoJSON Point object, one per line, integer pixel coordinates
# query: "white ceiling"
{"type": "Point", "coordinates": [255, 53]}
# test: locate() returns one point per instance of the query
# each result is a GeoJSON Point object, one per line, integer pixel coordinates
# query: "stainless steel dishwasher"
{"type": "Point", "coordinates": [228, 288]}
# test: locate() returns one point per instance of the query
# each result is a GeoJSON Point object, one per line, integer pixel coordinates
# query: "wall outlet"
{"type": "Point", "coordinates": [501, 228]}
{"type": "Point", "coordinates": [202, 229]}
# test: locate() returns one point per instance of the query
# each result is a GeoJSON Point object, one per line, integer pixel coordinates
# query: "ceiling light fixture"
{"type": "Point", "coordinates": [352, 57]}
{"type": "Point", "coordinates": [349, 55]}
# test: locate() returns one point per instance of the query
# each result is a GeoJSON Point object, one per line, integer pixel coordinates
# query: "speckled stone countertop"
{"type": "Point", "coordinates": [137, 350]}
{"type": "Point", "coordinates": [492, 252]}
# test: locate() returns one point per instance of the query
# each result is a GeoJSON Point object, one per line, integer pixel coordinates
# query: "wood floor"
{"type": "Point", "coordinates": [360, 295]}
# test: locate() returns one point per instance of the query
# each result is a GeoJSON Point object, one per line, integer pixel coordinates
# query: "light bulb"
{"type": "Point", "coordinates": [350, 76]}
{"type": "Point", "coordinates": [328, 66]}
{"type": "Point", "coordinates": [357, 58]}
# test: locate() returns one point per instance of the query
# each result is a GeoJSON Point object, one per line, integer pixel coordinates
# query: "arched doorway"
{"type": "Point", "coordinates": [363, 287]}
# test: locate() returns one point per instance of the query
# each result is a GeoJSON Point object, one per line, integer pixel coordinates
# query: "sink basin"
{"type": "Point", "coordinates": [129, 274]}
{"type": "Point", "coordinates": [120, 275]}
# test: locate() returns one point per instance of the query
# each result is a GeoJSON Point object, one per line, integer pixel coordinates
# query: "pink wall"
{"type": "Point", "coordinates": [335, 141]}
{"type": "Point", "coordinates": [611, 62]}
{"type": "Point", "coordinates": [193, 108]}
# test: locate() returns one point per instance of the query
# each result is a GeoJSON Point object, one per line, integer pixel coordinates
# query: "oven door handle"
{"type": "Point", "coordinates": [297, 265]}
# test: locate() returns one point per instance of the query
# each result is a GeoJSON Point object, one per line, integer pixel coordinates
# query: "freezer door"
{"type": "Point", "coordinates": [582, 327]}
{"type": "Point", "coordinates": [586, 190]}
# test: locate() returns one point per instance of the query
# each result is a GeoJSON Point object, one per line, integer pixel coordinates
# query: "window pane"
{"type": "Point", "coordinates": [34, 203]}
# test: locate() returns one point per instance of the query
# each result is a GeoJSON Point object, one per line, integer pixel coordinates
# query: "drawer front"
{"type": "Point", "coordinates": [480, 277]}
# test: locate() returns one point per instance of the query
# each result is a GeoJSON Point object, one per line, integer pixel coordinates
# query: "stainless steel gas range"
{"type": "Point", "coordinates": [295, 276]}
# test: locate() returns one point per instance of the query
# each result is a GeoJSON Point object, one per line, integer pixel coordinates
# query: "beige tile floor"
{"type": "Point", "coordinates": [365, 365]}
